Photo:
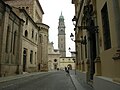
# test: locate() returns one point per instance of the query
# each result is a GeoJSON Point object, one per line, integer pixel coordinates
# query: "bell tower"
{"type": "Point", "coordinates": [61, 36]}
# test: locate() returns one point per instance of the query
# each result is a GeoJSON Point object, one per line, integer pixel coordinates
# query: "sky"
{"type": "Point", "coordinates": [52, 10]}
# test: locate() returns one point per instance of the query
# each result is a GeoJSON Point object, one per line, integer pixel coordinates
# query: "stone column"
{"type": "Point", "coordinates": [97, 60]}
{"type": "Point", "coordinates": [19, 52]}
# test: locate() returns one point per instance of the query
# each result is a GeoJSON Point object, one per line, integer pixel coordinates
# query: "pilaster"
{"type": "Point", "coordinates": [97, 66]}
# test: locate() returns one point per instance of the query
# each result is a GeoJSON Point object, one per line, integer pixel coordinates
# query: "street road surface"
{"type": "Point", "coordinates": [58, 80]}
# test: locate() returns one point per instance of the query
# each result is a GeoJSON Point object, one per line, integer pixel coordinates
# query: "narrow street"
{"type": "Point", "coordinates": [45, 81]}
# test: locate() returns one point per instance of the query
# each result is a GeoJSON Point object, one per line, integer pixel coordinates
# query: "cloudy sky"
{"type": "Point", "coordinates": [52, 10]}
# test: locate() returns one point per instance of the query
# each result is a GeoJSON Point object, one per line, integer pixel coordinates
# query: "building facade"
{"type": "Point", "coordinates": [56, 62]}
{"type": "Point", "coordinates": [67, 62]}
{"type": "Point", "coordinates": [61, 36]}
{"type": "Point", "coordinates": [35, 43]}
{"type": "Point", "coordinates": [97, 42]}
{"type": "Point", "coordinates": [29, 43]}
{"type": "Point", "coordinates": [43, 47]}
{"type": "Point", "coordinates": [11, 28]}
{"type": "Point", "coordinates": [53, 57]}
{"type": "Point", "coordinates": [32, 7]}
{"type": "Point", "coordinates": [25, 48]}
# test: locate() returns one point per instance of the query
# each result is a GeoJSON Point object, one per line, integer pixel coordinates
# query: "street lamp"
{"type": "Point", "coordinates": [72, 36]}
{"type": "Point", "coordinates": [69, 49]}
{"type": "Point", "coordinates": [82, 40]}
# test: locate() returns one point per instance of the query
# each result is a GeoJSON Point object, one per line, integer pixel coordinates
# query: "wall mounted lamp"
{"type": "Point", "coordinates": [72, 52]}
{"type": "Point", "coordinates": [74, 20]}
{"type": "Point", "coordinates": [82, 40]}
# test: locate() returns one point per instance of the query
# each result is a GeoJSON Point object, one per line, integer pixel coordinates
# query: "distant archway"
{"type": "Point", "coordinates": [70, 66]}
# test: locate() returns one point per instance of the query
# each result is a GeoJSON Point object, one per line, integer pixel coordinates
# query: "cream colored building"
{"type": "Point", "coordinates": [32, 7]}
{"type": "Point", "coordinates": [29, 43]}
{"type": "Point", "coordinates": [34, 36]}
{"type": "Point", "coordinates": [97, 42]}
{"type": "Point", "coordinates": [43, 47]}
{"type": "Point", "coordinates": [55, 61]}
{"type": "Point", "coordinates": [108, 19]}
{"type": "Point", "coordinates": [67, 62]}
{"type": "Point", "coordinates": [53, 57]}
{"type": "Point", "coordinates": [11, 28]}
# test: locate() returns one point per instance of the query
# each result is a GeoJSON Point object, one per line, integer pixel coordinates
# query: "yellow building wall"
{"type": "Point", "coordinates": [64, 62]}
{"type": "Point", "coordinates": [110, 68]}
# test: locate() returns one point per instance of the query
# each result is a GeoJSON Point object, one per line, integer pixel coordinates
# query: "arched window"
{"type": "Point", "coordinates": [31, 56]}
{"type": "Point", "coordinates": [36, 37]}
{"type": "Point", "coordinates": [26, 33]}
{"type": "Point", "coordinates": [35, 57]}
{"type": "Point", "coordinates": [41, 38]}
{"type": "Point", "coordinates": [27, 21]}
{"type": "Point", "coordinates": [32, 33]}
{"type": "Point", "coordinates": [55, 60]}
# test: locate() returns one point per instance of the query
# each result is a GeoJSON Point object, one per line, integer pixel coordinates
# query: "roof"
{"type": "Point", "coordinates": [39, 6]}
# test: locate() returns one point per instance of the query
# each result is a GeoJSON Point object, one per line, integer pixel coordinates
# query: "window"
{"type": "Point", "coordinates": [40, 38]}
{"type": "Point", "coordinates": [27, 21]}
{"type": "Point", "coordinates": [55, 60]}
{"type": "Point", "coordinates": [31, 56]}
{"type": "Point", "coordinates": [61, 45]}
{"type": "Point", "coordinates": [106, 29]}
{"type": "Point", "coordinates": [36, 37]}
{"type": "Point", "coordinates": [14, 43]}
{"type": "Point", "coordinates": [11, 40]}
{"type": "Point", "coordinates": [26, 33]}
{"type": "Point", "coordinates": [32, 33]}
{"type": "Point", "coordinates": [35, 57]}
{"type": "Point", "coordinates": [7, 37]}
{"type": "Point", "coordinates": [27, 8]}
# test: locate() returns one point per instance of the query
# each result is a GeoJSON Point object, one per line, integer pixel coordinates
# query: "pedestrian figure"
{"type": "Point", "coordinates": [67, 70]}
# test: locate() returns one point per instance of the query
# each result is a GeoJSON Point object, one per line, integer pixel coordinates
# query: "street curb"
{"type": "Point", "coordinates": [75, 82]}
{"type": "Point", "coordinates": [9, 78]}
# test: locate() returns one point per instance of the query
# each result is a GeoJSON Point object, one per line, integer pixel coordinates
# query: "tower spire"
{"type": "Point", "coordinates": [61, 16]}
{"type": "Point", "coordinates": [61, 13]}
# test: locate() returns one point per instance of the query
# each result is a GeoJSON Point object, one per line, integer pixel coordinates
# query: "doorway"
{"type": "Point", "coordinates": [55, 66]}
{"type": "Point", "coordinates": [70, 66]}
{"type": "Point", "coordinates": [24, 59]}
